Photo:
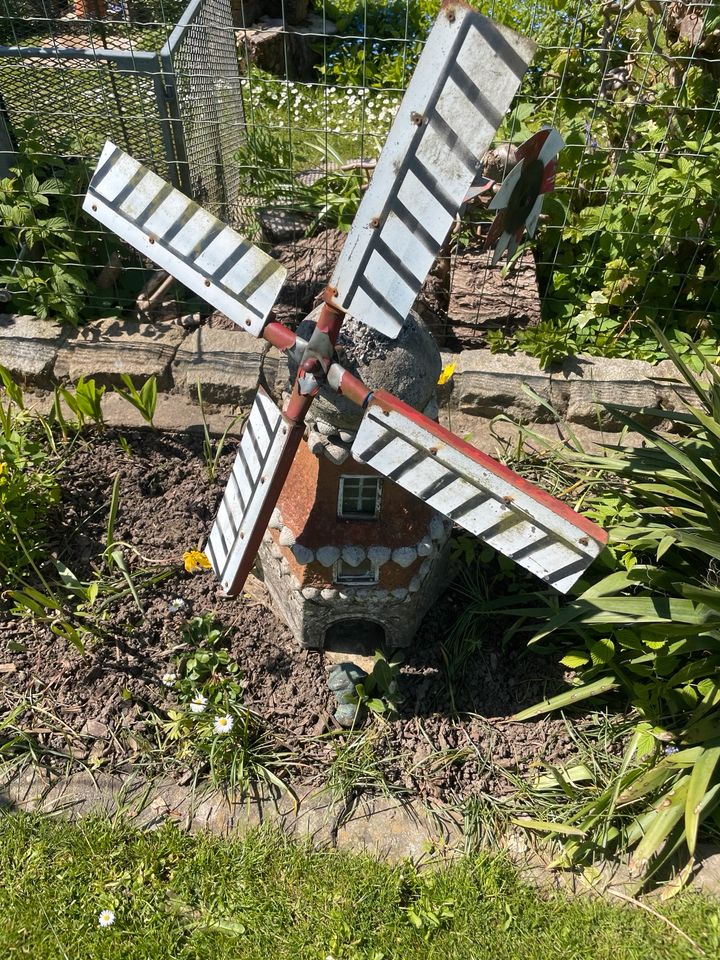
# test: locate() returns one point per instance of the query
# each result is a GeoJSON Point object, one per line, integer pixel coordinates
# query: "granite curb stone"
{"type": "Point", "coordinates": [382, 827]}
{"type": "Point", "coordinates": [228, 364]}
{"type": "Point", "coordinates": [108, 348]}
{"type": "Point", "coordinates": [29, 347]}
{"type": "Point", "coordinates": [486, 385]}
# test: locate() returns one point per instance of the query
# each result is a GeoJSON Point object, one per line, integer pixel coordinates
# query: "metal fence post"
{"type": "Point", "coordinates": [8, 147]}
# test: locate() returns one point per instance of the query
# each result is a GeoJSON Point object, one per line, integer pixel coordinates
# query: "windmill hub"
{"type": "Point", "coordinates": [409, 366]}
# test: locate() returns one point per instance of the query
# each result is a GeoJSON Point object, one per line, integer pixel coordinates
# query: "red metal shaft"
{"type": "Point", "coordinates": [279, 335]}
{"type": "Point", "coordinates": [314, 362]}
{"type": "Point", "coordinates": [348, 385]}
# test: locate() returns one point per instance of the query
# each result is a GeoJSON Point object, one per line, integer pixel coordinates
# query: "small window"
{"type": "Point", "coordinates": [359, 497]}
{"type": "Point", "coordinates": [364, 573]}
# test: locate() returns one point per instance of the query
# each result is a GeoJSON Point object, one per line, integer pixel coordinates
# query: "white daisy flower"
{"type": "Point", "coordinates": [198, 703]}
{"type": "Point", "coordinates": [223, 724]}
{"type": "Point", "coordinates": [176, 605]}
{"type": "Point", "coordinates": [168, 679]}
{"type": "Point", "coordinates": [106, 918]}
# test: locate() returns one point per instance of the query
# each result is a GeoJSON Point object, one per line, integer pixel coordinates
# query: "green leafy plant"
{"type": "Point", "coordinates": [650, 630]}
{"type": "Point", "coordinates": [28, 481]}
{"type": "Point", "coordinates": [144, 400]}
{"type": "Point", "coordinates": [379, 692]}
{"type": "Point", "coordinates": [208, 667]}
{"type": "Point", "coordinates": [212, 451]}
{"type": "Point", "coordinates": [212, 723]}
{"type": "Point", "coordinates": [85, 401]}
{"type": "Point", "coordinates": [272, 165]}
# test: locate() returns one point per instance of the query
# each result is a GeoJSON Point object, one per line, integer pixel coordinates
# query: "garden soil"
{"type": "Point", "coordinates": [103, 707]}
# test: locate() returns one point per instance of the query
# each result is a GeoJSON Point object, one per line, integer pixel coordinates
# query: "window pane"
{"type": "Point", "coordinates": [359, 496]}
{"type": "Point", "coordinates": [364, 572]}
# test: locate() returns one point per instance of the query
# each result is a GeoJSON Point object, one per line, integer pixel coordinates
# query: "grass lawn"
{"type": "Point", "coordinates": [180, 896]}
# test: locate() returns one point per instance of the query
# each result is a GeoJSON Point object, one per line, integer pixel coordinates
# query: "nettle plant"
{"type": "Point", "coordinates": [45, 243]}
{"type": "Point", "coordinates": [41, 248]}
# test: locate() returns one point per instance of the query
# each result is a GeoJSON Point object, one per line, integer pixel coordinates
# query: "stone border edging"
{"type": "Point", "coordinates": [227, 363]}
{"type": "Point", "coordinates": [386, 828]}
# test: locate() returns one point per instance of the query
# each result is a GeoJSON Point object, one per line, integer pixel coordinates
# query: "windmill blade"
{"type": "Point", "coordinates": [193, 246]}
{"type": "Point", "coordinates": [531, 527]}
{"type": "Point", "coordinates": [265, 454]}
{"type": "Point", "coordinates": [464, 82]}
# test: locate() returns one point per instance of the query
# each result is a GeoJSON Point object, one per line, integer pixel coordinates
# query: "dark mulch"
{"type": "Point", "coordinates": [105, 694]}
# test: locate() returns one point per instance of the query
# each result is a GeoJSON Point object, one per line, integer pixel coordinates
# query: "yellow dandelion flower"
{"type": "Point", "coordinates": [447, 371]}
{"type": "Point", "coordinates": [195, 560]}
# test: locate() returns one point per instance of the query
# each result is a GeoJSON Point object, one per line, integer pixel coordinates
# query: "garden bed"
{"type": "Point", "coordinates": [105, 707]}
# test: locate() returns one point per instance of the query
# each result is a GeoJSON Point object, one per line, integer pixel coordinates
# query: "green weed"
{"type": "Point", "coordinates": [211, 728]}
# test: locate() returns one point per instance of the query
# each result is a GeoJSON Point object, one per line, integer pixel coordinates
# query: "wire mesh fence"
{"type": "Point", "coordinates": [631, 233]}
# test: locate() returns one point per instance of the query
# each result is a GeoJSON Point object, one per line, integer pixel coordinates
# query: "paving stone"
{"type": "Point", "coordinates": [486, 384]}
{"type": "Point", "coordinates": [302, 554]}
{"type": "Point", "coordinates": [404, 556]}
{"type": "Point", "coordinates": [379, 554]}
{"type": "Point", "coordinates": [226, 363]}
{"type": "Point", "coordinates": [109, 348]}
{"type": "Point", "coordinates": [28, 348]}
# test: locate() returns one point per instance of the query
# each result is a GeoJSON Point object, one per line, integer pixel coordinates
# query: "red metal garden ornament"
{"type": "Point", "coordinates": [519, 199]}
{"type": "Point", "coordinates": [353, 523]}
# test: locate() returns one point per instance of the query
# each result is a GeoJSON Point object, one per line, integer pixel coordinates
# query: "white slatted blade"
{"type": "Point", "coordinates": [250, 493]}
{"type": "Point", "coordinates": [481, 495]}
{"type": "Point", "coordinates": [196, 248]}
{"type": "Point", "coordinates": [463, 85]}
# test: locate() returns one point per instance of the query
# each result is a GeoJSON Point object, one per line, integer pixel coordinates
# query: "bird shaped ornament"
{"type": "Point", "coordinates": [353, 522]}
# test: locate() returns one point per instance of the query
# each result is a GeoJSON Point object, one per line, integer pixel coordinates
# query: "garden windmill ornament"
{"type": "Point", "coordinates": [309, 507]}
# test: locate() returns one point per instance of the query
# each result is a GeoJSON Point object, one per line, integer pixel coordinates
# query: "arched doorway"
{"type": "Point", "coordinates": [354, 635]}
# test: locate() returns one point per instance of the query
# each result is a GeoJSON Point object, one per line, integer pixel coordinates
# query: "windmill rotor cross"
{"type": "Point", "coordinates": [462, 87]}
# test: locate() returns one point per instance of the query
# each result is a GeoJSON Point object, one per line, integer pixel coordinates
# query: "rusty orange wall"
{"type": "Point", "coordinates": [308, 505]}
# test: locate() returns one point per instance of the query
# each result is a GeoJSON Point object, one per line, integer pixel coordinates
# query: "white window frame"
{"type": "Point", "coordinates": [362, 477]}
{"type": "Point", "coordinates": [347, 580]}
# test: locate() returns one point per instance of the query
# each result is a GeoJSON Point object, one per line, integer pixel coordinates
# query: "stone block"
{"type": "Point", "coordinates": [584, 385]}
{"type": "Point", "coordinates": [486, 297]}
{"type": "Point", "coordinates": [486, 384]}
{"type": "Point", "coordinates": [226, 363]}
{"type": "Point", "coordinates": [108, 348]}
{"type": "Point", "coordinates": [29, 347]}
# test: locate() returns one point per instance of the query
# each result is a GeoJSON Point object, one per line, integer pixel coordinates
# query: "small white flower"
{"type": "Point", "coordinates": [176, 605]}
{"type": "Point", "coordinates": [198, 703]}
{"type": "Point", "coordinates": [223, 724]}
{"type": "Point", "coordinates": [168, 679]}
{"type": "Point", "coordinates": [106, 918]}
